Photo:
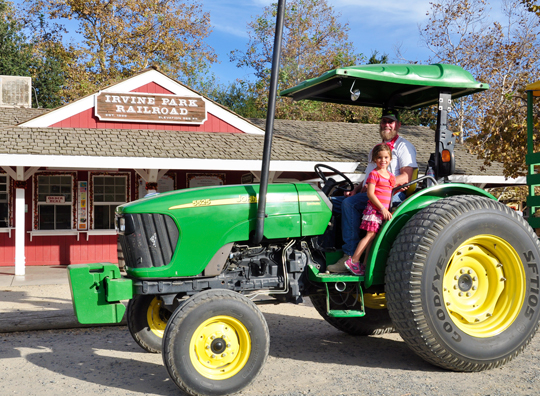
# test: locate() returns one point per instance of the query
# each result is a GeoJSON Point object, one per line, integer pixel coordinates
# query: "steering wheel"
{"type": "Point", "coordinates": [330, 183]}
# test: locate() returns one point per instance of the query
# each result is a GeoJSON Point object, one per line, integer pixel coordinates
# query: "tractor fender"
{"type": "Point", "coordinates": [378, 255]}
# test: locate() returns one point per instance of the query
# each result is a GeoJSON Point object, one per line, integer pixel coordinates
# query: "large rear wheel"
{"type": "Point", "coordinates": [376, 321]}
{"type": "Point", "coordinates": [216, 343]}
{"type": "Point", "coordinates": [462, 283]}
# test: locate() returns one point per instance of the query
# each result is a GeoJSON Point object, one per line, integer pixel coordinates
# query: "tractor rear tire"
{"type": "Point", "coordinates": [375, 322]}
{"type": "Point", "coordinates": [146, 320]}
{"type": "Point", "coordinates": [462, 283]}
{"type": "Point", "coordinates": [216, 343]}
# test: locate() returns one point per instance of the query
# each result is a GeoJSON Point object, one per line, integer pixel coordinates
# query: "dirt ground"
{"type": "Point", "coordinates": [307, 357]}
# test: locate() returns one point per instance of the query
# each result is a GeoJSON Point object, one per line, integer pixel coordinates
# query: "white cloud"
{"type": "Point", "coordinates": [405, 11]}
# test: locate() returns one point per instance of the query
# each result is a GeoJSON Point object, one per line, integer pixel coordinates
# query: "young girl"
{"type": "Point", "coordinates": [379, 184]}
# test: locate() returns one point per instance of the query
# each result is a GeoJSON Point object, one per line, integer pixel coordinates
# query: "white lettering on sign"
{"type": "Point", "coordinates": [147, 108]}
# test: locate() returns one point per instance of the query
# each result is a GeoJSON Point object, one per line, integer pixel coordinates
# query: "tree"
{"type": "Point", "coordinates": [491, 124]}
{"type": "Point", "coordinates": [314, 41]}
{"type": "Point", "coordinates": [373, 60]}
{"type": "Point", "coordinates": [238, 98]}
{"type": "Point", "coordinates": [15, 52]}
{"type": "Point", "coordinates": [19, 56]}
{"type": "Point", "coordinates": [532, 6]}
{"type": "Point", "coordinates": [121, 37]}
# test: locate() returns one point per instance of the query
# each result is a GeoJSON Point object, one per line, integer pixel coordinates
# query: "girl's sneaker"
{"type": "Point", "coordinates": [355, 268]}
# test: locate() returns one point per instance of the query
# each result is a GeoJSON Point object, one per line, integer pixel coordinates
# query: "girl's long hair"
{"type": "Point", "coordinates": [380, 147]}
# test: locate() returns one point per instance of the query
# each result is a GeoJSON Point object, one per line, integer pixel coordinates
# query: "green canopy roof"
{"type": "Point", "coordinates": [388, 86]}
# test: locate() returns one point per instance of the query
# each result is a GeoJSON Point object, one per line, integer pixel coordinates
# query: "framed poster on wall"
{"type": "Point", "coordinates": [82, 206]}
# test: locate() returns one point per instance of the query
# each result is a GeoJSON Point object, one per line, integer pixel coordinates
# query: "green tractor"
{"type": "Point", "coordinates": [454, 272]}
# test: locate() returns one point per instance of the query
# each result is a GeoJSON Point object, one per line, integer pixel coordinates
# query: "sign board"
{"type": "Point", "coordinates": [54, 199]}
{"type": "Point", "coordinates": [205, 179]}
{"type": "Point", "coordinates": [150, 108]}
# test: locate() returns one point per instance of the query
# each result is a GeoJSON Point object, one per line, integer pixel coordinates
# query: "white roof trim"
{"type": "Point", "coordinates": [488, 179]}
{"type": "Point", "coordinates": [358, 177]}
{"type": "Point", "coordinates": [67, 161]}
{"type": "Point", "coordinates": [129, 85]}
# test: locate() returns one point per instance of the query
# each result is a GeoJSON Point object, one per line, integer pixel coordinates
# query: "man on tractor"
{"type": "Point", "coordinates": [352, 203]}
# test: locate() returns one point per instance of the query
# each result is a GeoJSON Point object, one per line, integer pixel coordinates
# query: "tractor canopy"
{"type": "Point", "coordinates": [387, 86]}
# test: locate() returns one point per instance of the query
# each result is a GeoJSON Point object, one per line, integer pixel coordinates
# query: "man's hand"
{"type": "Point", "coordinates": [404, 177]}
{"type": "Point", "coordinates": [355, 191]}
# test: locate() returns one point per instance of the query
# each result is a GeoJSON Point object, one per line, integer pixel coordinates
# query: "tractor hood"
{"type": "Point", "coordinates": [176, 234]}
{"type": "Point", "coordinates": [387, 86]}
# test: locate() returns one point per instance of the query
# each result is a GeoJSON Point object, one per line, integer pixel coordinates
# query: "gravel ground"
{"type": "Point", "coordinates": [307, 357]}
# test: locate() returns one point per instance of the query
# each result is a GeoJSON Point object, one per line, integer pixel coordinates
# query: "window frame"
{"type": "Point", "coordinates": [127, 186]}
{"type": "Point", "coordinates": [37, 204]}
{"type": "Point", "coordinates": [8, 201]}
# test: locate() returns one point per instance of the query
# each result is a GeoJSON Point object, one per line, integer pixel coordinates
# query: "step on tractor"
{"type": "Point", "coordinates": [454, 272]}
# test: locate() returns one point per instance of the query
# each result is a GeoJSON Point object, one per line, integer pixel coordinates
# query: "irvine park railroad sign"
{"type": "Point", "coordinates": [152, 108]}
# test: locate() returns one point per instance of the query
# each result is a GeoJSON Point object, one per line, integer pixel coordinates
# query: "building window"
{"type": "Point", "coordinates": [55, 197]}
{"type": "Point", "coordinates": [109, 192]}
{"type": "Point", "coordinates": [4, 201]}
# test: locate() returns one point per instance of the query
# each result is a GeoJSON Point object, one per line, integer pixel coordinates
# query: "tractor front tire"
{"type": "Point", "coordinates": [146, 320]}
{"type": "Point", "coordinates": [216, 343]}
{"type": "Point", "coordinates": [375, 321]}
{"type": "Point", "coordinates": [462, 283]}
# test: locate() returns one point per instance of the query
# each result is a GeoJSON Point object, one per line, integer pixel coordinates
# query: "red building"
{"type": "Point", "coordinates": [65, 170]}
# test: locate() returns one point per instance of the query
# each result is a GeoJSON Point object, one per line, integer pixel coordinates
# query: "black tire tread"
{"type": "Point", "coordinates": [404, 272]}
{"type": "Point", "coordinates": [191, 304]}
{"type": "Point", "coordinates": [375, 322]}
{"type": "Point", "coordinates": [141, 336]}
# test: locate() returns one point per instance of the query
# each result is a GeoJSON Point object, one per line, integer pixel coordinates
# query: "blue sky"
{"type": "Point", "coordinates": [374, 25]}
{"type": "Point", "coordinates": [378, 25]}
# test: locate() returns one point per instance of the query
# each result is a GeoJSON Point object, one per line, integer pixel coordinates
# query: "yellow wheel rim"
{"type": "Point", "coordinates": [484, 286]}
{"type": "Point", "coordinates": [157, 317]}
{"type": "Point", "coordinates": [375, 300]}
{"type": "Point", "coordinates": [220, 347]}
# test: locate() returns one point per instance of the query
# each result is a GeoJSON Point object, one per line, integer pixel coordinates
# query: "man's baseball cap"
{"type": "Point", "coordinates": [391, 114]}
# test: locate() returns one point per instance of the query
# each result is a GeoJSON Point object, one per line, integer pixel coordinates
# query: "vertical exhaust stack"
{"type": "Point", "coordinates": [269, 131]}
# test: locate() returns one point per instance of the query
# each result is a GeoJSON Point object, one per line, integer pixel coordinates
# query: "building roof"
{"type": "Point", "coordinates": [355, 141]}
{"type": "Point", "coordinates": [13, 116]}
{"type": "Point", "coordinates": [156, 144]}
{"type": "Point", "coordinates": [297, 146]}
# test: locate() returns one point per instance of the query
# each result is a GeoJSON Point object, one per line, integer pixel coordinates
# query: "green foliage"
{"type": "Point", "coordinates": [21, 57]}
{"type": "Point", "coordinates": [314, 41]}
{"type": "Point", "coordinates": [15, 52]}
{"type": "Point", "coordinates": [123, 37]}
{"type": "Point", "coordinates": [49, 81]}
{"type": "Point", "coordinates": [507, 57]}
{"type": "Point", "coordinates": [373, 60]}
{"type": "Point", "coordinates": [238, 98]}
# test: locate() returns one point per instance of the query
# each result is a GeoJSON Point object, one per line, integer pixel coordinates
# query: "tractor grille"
{"type": "Point", "coordinates": [149, 240]}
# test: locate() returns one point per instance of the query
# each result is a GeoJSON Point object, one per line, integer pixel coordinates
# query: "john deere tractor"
{"type": "Point", "coordinates": [454, 272]}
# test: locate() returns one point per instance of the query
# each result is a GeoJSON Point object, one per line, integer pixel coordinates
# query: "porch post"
{"type": "Point", "coordinates": [20, 258]}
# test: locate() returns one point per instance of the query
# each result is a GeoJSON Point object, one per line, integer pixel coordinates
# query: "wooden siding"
{"type": "Point", "coordinates": [58, 250]}
{"type": "Point", "coordinates": [87, 119]}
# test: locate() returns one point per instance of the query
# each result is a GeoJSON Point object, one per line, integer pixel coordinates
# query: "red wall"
{"type": "Point", "coordinates": [7, 249]}
{"type": "Point", "coordinates": [87, 119]}
{"type": "Point", "coordinates": [54, 250]}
